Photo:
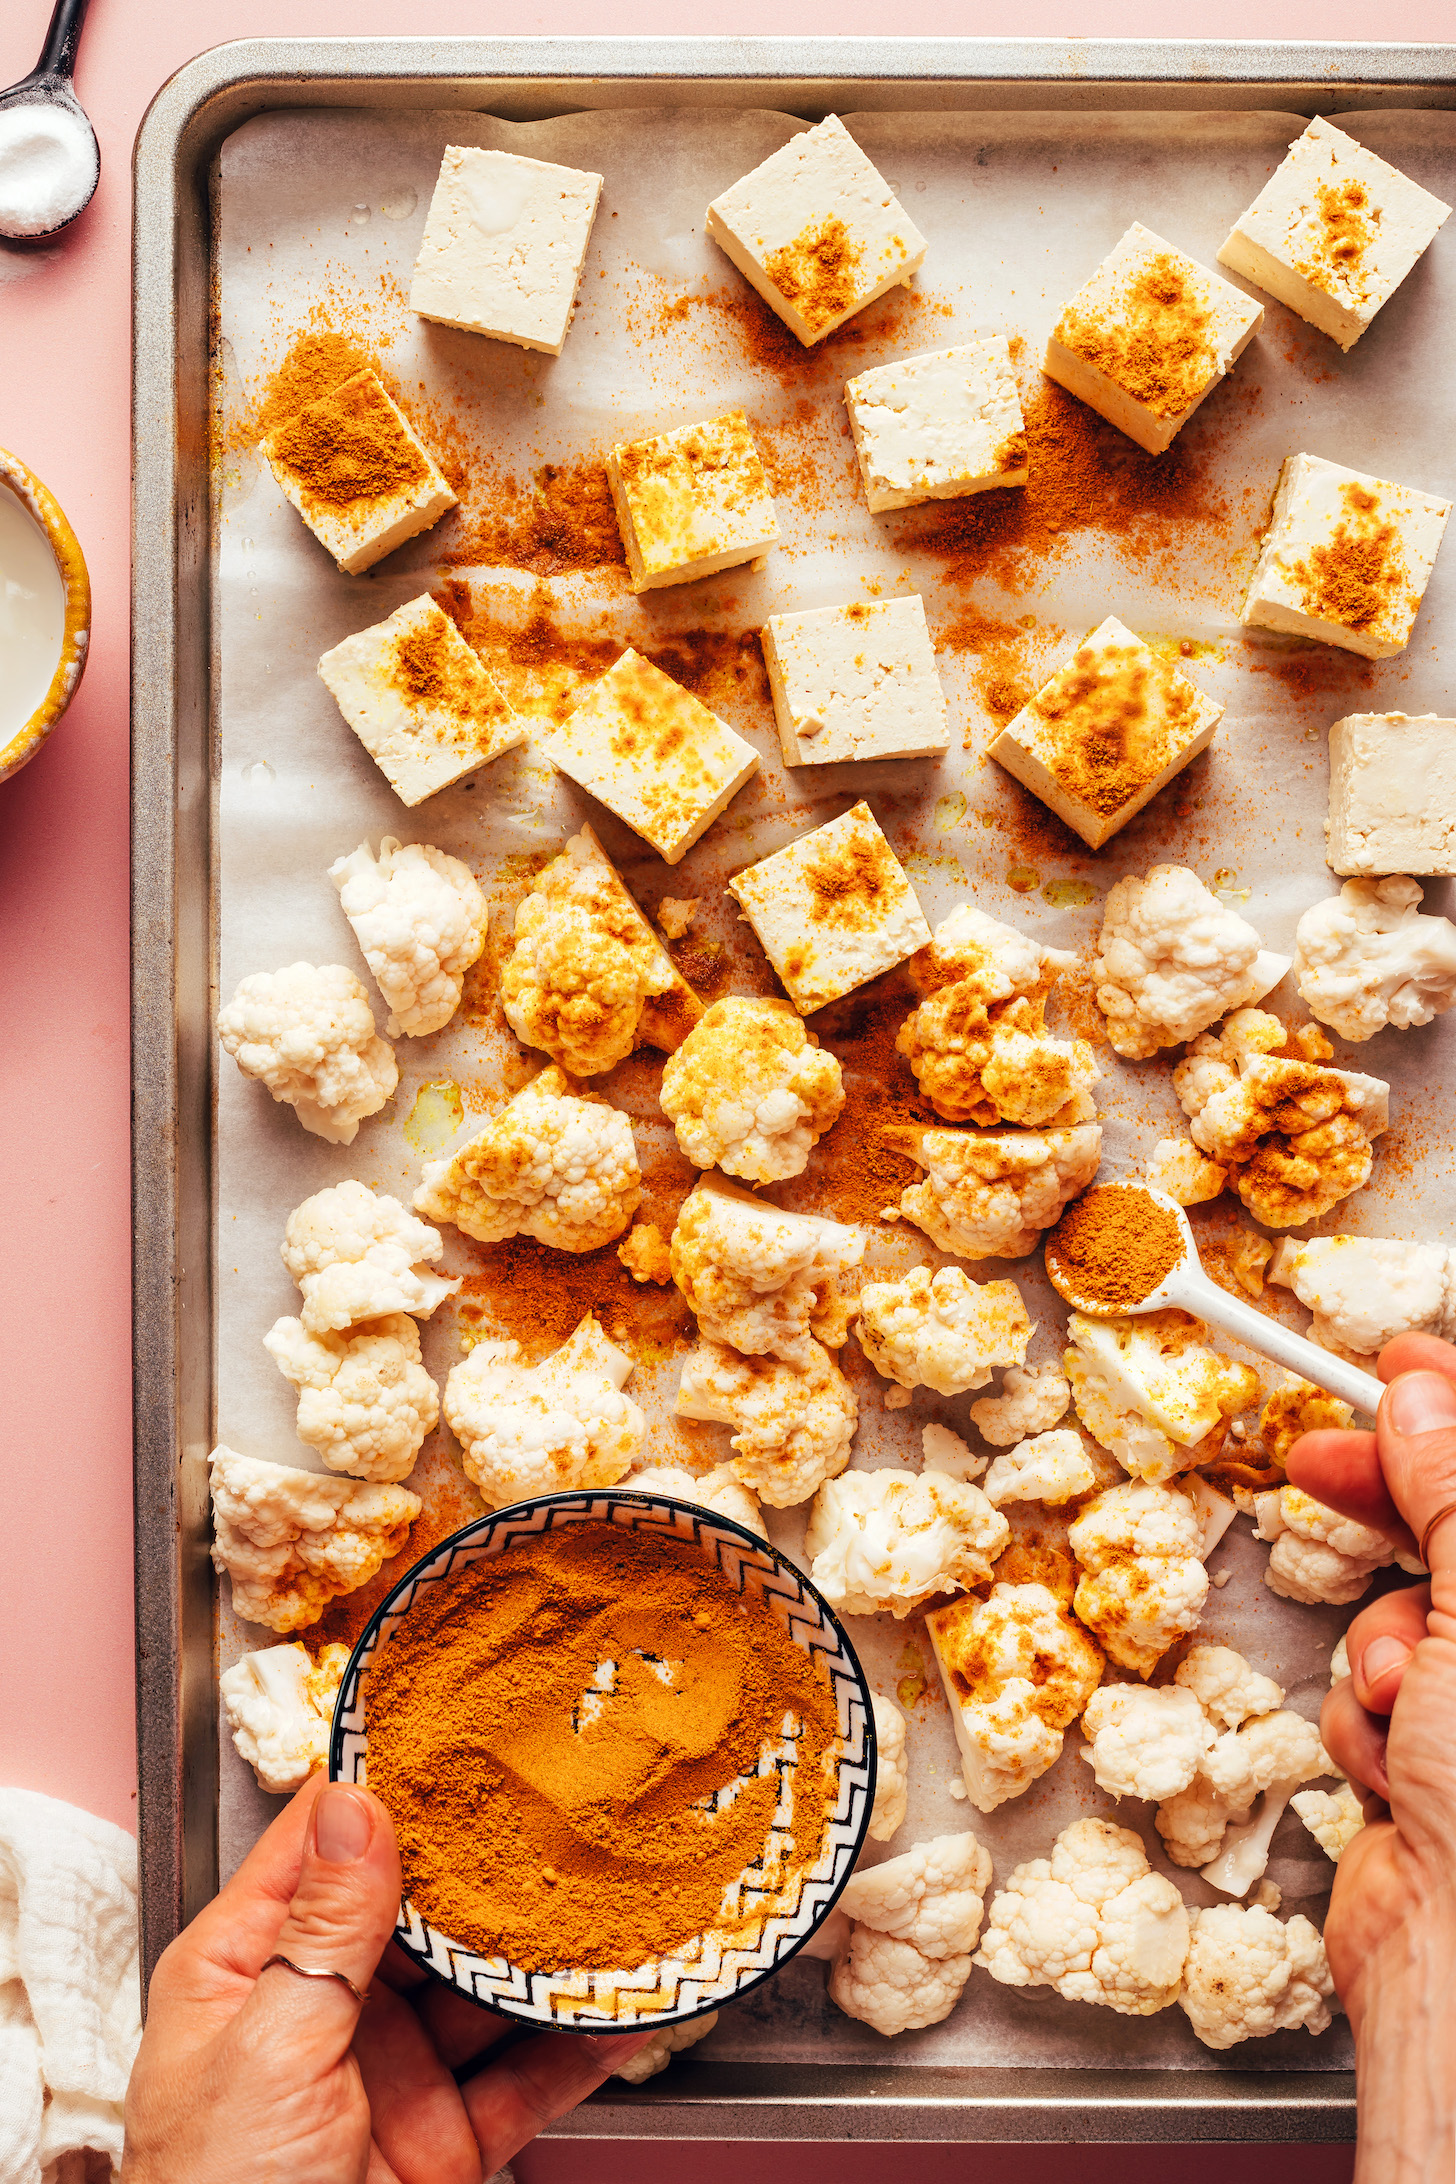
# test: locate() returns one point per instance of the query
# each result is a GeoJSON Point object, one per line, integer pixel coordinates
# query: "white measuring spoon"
{"type": "Point", "coordinates": [1189, 1289]}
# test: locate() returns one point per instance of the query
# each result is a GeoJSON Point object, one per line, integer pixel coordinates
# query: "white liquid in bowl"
{"type": "Point", "coordinates": [32, 614]}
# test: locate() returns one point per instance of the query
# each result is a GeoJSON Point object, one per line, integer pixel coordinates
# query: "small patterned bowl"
{"type": "Point", "coordinates": [708, 1974]}
{"type": "Point", "coordinates": [40, 503]}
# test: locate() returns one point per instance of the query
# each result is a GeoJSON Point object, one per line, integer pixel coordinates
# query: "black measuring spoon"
{"type": "Point", "coordinates": [38, 195]}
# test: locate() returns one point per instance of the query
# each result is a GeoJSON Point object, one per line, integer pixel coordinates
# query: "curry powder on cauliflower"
{"type": "Point", "coordinates": [942, 1330]}
{"type": "Point", "coordinates": [793, 1422]}
{"type": "Point", "coordinates": [750, 1091]}
{"type": "Point", "coordinates": [991, 1194]}
{"type": "Point", "coordinates": [555, 1165]}
{"type": "Point", "coordinates": [540, 1429]}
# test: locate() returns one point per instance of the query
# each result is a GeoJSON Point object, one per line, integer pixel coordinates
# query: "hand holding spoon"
{"type": "Point", "coordinates": [49, 159]}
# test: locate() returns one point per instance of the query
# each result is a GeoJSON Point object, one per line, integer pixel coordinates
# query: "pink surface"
{"type": "Point", "coordinates": [65, 1613]}
{"type": "Point", "coordinates": [637, 2161]}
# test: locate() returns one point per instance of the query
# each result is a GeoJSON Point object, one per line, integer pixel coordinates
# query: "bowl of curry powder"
{"type": "Point", "coordinates": [628, 1752]}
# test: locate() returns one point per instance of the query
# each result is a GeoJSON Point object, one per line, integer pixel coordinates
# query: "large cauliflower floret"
{"type": "Point", "coordinates": [420, 919]}
{"type": "Point", "coordinates": [889, 1984]}
{"type": "Point", "coordinates": [1145, 1743]}
{"type": "Point", "coordinates": [658, 2052]}
{"type": "Point", "coordinates": [1294, 1136]}
{"type": "Point", "coordinates": [1366, 1290]}
{"type": "Point", "coordinates": [942, 1330]}
{"type": "Point", "coordinates": [1333, 1818]}
{"type": "Point", "coordinates": [1368, 958]}
{"type": "Point", "coordinates": [1225, 1685]}
{"type": "Point", "coordinates": [719, 1491]}
{"type": "Point", "coordinates": [1093, 1921]}
{"type": "Point", "coordinates": [358, 1255]}
{"type": "Point", "coordinates": [1178, 1169]}
{"type": "Point", "coordinates": [553, 1165]}
{"type": "Point", "coordinates": [892, 1778]}
{"type": "Point", "coordinates": [280, 1706]}
{"type": "Point", "coordinates": [1299, 1407]}
{"type": "Point", "coordinates": [794, 1422]}
{"type": "Point", "coordinates": [309, 1036]}
{"type": "Point", "coordinates": [750, 1091]}
{"type": "Point", "coordinates": [1246, 1975]}
{"type": "Point", "coordinates": [1147, 1388]}
{"type": "Point", "coordinates": [1317, 1556]}
{"type": "Point", "coordinates": [1017, 1669]}
{"type": "Point", "coordinates": [754, 1275]}
{"type": "Point", "coordinates": [893, 1539]}
{"type": "Point", "coordinates": [1212, 1824]}
{"type": "Point", "coordinates": [1143, 1583]}
{"type": "Point", "coordinates": [365, 1401]}
{"type": "Point", "coordinates": [1172, 959]}
{"type": "Point", "coordinates": [989, 1195]}
{"type": "Point", "coordinates": [540, 1429]}
{"type": "Point", "coordinates": [293, 1541]}
{"type": "Point", "coordinates": [1052, 1467]}
{"type": "Point", "coordinates": [931, 1895]}
{"type": "Point", "coordinates": [588, 978]}
{"type": "Point", "coordinates": [1033, 1399]}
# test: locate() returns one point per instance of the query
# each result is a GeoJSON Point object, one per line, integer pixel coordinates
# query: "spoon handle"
{"type": "Point", "coordinates": [58, 56]}
{"type": "Point", "coordinates": [1196, 1293]}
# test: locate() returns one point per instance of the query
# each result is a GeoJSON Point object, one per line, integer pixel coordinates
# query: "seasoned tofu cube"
{"type": "Point", "coordinates": [504, 245]}
{"type": "Point", "coordinates": [691, 502]}
{"type": "Point", "coordinates": [1346, 558]}
{"type": "Point", "coordinates": [832, 909]}
{"type": "Point", "coordinates": [855, 682]}
{"type": "Point", "coordinates": [356, 473]}
{"type": "Point", "coordinates": [817, 231]}
{"type": "Point", "coordinates": [419, 700]}
{"type": "Point", "coordinates": [1392, 795]}
{"type": "Point", "coordinates": [1148, 336]}
{"type": "Point", "coordinates": [935, 427]}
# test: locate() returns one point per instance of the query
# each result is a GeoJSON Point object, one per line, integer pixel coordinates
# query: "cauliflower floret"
{"type": "Point", "coordinates": [1148, 1389]}
{"type": "Point", "coordinates": [660, 2049]}
{"type": "Point", "coordinates": [750, 1091]}
{"type": "Point", "coordinates": [645, 1255]}
{"type": "Point", "coordinates": [1367, 958]}
{"type": "Point", "coordinates": [990, 1194]}
{"type": "Point", "coordinates": [890, 1985]}
{"type": "Point", "coordinates": [1033, 1399]}
{"type": "Point", "coordinates": [942, 1330]}
{"type": "Point", "coordinates": [1052, 1467]}
{"type": "Point", "coordinates": [1317, 1555]}
{"type": "Point", "coordinates": [588, 979]}
{"type": "Point", "coordinates": [675, 913]}
{"type": "Point", "coordinates": [552, 1165]}
{"type": "Point", "coordinates": [1093, 1921]}
{"type": "Point", "coordinates": [1172, 959]}
{"type": "Point", "coordinates": [1246, 1975]}
{"type": "Point", "coordinates": [1181, 1173]}
{"type": "Point", "coordinates": [892, 1539]}
{"type": "Point", "coordinates": [892, 1777]}
{"type": "Point", "coordinates": [357, 1255]}
{"type": "Point", "coordinates": [309, 1036]}
{"type": "Point", "coordinates": [1334, 1818]}
{"type": "Point", "coordinates": [539, 1429]}
{"type": "Point", "coordinates": [1145, 1743]}
{"type": "Point", "coordinates": [420, 920]}
{"type": "Point", "coordinates": [1143, 1582]}
{"type": "Point", "coordinates": [365, 1401]}
{"type": "Point", "coordinates": [753, 1273]}
{"type": "Point", "coordinates": [280, 1707]}
{"type": "Point", "coordinates": [1225, 1685]}
{"type": "Point", "coordinates": [930, 1896]}
{"type": "Point", "coordinates": [944, 1451]}
{"type": "Point", "coordinates": [1212, 1823]}
{"type": "Point", "coordinates": [1297, 1409]}
{"type": "Point", "coordinates": [717, 1490]}
{"type": "Point", "coordinates": [1366, 1290]}
{"type": "Point", "coordinates": [794, 1422]}
{"type": "Point", "coordinates": [293, 1541]}
{"type": "Point", "coordinates": [1294, 1137]}
{"type": "Point", "coordinates": [1016, 1669]}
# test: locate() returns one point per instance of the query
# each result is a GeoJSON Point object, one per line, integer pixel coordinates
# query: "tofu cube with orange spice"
{"type": "Point", "coordinates": [1346, 558]}
{"type": "Point", "coordinates": [1111, 728]}
{"type": "Point", "coordinates": [691, 502]}
{"type": "Point", "coordinates": [833, 909]}
{"type": "Point", "coordinates": [359, 477]}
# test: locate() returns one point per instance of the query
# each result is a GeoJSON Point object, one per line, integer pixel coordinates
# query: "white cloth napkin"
{"type": "Point", "coordinates": [70, 1987]}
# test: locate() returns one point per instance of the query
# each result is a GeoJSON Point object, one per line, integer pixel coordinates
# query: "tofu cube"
{"type": "Point", "coordinates": [1392, 795]}
{"type": "Point", "coordinates": [419, 700]}
{"type": "Point", "coordinates": [855, 682]}
{"type": "Point", "coordinates": [1148, 336]}
{"type": "Point", "coordinates": [1333, 232]}
{"type": "Point", "coordinates": [691, 502]}
{"type": "Point", "coordinates": [1346, 558]}
{"type": "Point", "coordinates": [356, 473]}
{"type": "Point", "coordinates": [832, 910]}
{"type": "Point", "coordinates": [504, 246]}
{"type": "Point", "coordinates": [938, 426]}
{"type": "Point", "coordinates": [1111, 728]}
{"type": "Point", "coordinates": [653, 754]}
{"type": "Point", "coordinates": [817, 231]}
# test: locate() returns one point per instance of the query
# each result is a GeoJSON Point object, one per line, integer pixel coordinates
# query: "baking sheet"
{"type": "Point", "coordinates": [320, 213]}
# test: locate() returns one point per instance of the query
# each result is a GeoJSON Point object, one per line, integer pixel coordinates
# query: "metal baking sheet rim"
{"type": "Point", "coordinates": [173, 938]}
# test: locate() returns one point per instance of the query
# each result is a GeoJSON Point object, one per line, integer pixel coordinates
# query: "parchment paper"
{"type": "Point", "coordinates": [321, 213]}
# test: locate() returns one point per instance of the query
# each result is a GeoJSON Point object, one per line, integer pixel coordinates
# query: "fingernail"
{"type": "Point", "coordinates": [1421, 1402]}
{"type": "Point", "coordinates": [343, 1825]}
{"type": "Point", "coordinates": [1380, 1657]}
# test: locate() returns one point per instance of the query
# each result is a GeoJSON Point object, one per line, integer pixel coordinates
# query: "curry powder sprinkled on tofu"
{"type": "Point", "coordinates": [816, 271]}
{"type": "Point", "coordinates": [1117, 718]}
{"type": "Point", "coordinates": [428, 669]}
{"type": "Point", "coordinates": [854, 883]}
{"type": "Point", "coordinates": [1154, 340]}
{"type": "Point", "coordinates": [1361, 573]}
{"type": "Point", "coordinates": [349, 447]}
{"type": "Point", "coordinates": [1347, 223]}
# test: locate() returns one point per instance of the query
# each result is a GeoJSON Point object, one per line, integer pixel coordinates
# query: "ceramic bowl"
{"type": "Point", "coordinates": [708, 1974]}
{"type": "Point", "coordinates": [41, 503]}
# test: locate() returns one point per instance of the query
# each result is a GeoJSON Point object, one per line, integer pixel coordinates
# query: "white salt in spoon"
{"type": "Point", "coordinates": [49, 159]}
{"type": "Point", "coordinates": [1189, 1289]}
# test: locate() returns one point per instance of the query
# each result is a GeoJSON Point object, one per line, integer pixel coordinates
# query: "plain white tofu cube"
{"type": "Point", "coordinates": [1111, 728]}
{"type": "Point", "coordinates": [1333, 232]}
{"type": "Point", "coordinates": [817, 230]}
{"type": "Point", "coordinates": [832, 910]}
{"type": "Point", "coordinates": [855, 682]}
{"type": "Point", "coordinates": [937, 426]}
{"type": "Point", "coordinates": [1392, 795]}
{"type": "Point", "coordinates": [653, 754]}
{"type": "Point", "coordinates": [357, 474]}
{"type": "Point", "coordinates": [1148, 336]}
{"type": "Point", "coordinates": [419, 700]}
{"type": "Point", "coordinates": [691, 502]}
{"type": "Point", "coordinates": [1346, 558]}
{"type": "Point", "coordinates": [504, 245]}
